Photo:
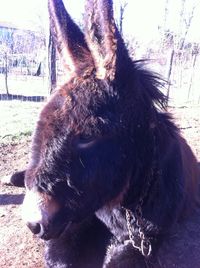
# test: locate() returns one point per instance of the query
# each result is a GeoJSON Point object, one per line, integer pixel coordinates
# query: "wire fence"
{"type": "Point", "coordinates": [22, 64]}
{"type": "Point", "coordinates": [184, 83]}
{"type": "Point", "coordinates": [180, 67]}
{"type": "Point", "coordinates": [24, 74]}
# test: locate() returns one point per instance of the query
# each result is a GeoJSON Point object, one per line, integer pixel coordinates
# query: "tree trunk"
{"type": "Point", "coordinates": [6, 73]}
{"type": "Point", "coordinates": [170, 72]}
{"type": "Point", "coordinates": [121, 16]}
{"type": "Point", "coordinates": [192, 74]}
{"type": "Point", "coordinates": [52, 64]}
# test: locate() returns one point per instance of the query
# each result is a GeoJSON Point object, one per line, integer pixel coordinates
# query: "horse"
{"type": "Point", "coordinates": [111, 182]}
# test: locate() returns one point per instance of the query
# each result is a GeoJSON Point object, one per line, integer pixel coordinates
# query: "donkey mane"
{"type": "Point", "coordinates": [151, 84]}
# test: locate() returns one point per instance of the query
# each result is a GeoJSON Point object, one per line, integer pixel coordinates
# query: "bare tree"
{"type": "Point", "coordinates": [166, 15]}
{"type": "Point", "coordinates": [195, 53]}
{"type": "Point", "coordinates": [121, 15]}
{"type": "Point", "coordinates": [178, 43]}
{"type": "Point", "coordinates": [6, 72]}
{"type": "Point", "coordinates": [52, 64]}
{"type": "Point", "coordinates": [168, 44]}
{"type": "Point", "coordinates": [185, 23]}
{"type": "Point", "coordinates": [4, 55]}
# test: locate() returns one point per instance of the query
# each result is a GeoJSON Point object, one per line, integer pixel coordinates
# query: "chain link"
{"type": "Point", "coordinates": [144, 246]}
{"type": "Point", "coordinates": [144, 243]}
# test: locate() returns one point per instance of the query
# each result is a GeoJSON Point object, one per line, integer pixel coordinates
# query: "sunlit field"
{"type": "Point", "coordinates": [17, 119]}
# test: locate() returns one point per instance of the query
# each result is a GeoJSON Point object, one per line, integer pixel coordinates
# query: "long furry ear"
{"type": "Point", "coordinates": [69, 39]}
{"type": "Point", "coordinates": [101, 37]}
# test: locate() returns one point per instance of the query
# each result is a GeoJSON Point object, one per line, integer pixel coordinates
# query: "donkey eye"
{"type": "Point", "coordinates": [86, 138]}
{"type": "Point", "coordinates": [86, 141]}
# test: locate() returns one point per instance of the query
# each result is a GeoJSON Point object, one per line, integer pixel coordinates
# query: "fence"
{"type": "Point", "coordinates": [182, 70]}
{"type": "Point", "coordinates": [179, 66]}
{"type": "Point", "coordinates": [23, 72]}
{"type": "Point", "coordinates": [22, 64]}
{"type": "Point", "coordinates": [24, 78]}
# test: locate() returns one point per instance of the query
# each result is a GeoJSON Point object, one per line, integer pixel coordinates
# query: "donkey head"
{"type": "Point", "coordinates": [83, 152]}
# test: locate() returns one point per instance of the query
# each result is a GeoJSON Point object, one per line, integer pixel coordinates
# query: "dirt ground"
{"type": "Point", "coordinates": [18, 247]}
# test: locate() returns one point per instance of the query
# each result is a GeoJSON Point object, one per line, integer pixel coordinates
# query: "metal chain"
{"type": "Point", "coordinates": [144, 246]}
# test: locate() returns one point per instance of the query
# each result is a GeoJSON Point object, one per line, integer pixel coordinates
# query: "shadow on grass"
{"type": "Point", "coordinates": [9, 97]}
{"type": "Point", "coordinates": [11, 199]}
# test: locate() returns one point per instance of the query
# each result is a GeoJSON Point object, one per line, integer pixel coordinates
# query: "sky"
{"type": "Point", "coordinates": [142, 17]}
{"type": "Point", "coordinates": [22, 12]}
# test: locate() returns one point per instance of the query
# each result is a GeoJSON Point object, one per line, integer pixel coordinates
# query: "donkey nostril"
{"type": "Point", "coordinates": [34, 227]}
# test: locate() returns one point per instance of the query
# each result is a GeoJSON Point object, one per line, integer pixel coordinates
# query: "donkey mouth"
{"type": "Point", "coordinates": [53, 233]}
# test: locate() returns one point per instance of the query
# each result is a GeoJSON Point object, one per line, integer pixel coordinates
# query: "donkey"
{"type": "Point", "coordinates": [111, 182]}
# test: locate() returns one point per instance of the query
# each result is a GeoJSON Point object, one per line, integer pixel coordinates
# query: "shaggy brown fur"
{"type": "Point", "coordinates": [104, 146]}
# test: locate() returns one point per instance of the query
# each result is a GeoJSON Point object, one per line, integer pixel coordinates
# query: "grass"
{"type": "Point", "coordinates": [17, 120]}
{"type": "Point", "coordinates": [24, 85]}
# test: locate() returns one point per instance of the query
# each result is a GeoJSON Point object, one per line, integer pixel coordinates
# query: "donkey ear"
{"type": "Point", "coordinates": [69, 39]}
{"type": "Point", "coordinates": [101, 36]}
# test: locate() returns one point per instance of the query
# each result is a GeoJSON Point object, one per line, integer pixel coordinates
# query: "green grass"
{"type": "Point", "coordinates": [17, 120]}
